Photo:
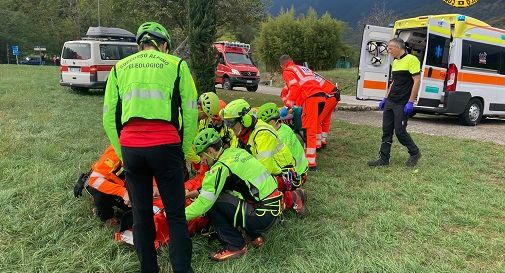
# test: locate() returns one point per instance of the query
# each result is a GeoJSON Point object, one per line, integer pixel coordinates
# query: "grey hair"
{"type": "Point", "coordinates": [399, 42]}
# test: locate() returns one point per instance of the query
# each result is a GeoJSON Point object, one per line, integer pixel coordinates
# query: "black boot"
{"type": "Point", "coordinates": [377, 163]}
{"type": "Point", "coordinates": [413, 159]}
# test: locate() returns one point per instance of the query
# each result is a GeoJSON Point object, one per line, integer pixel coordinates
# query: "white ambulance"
{"type": "Point", "coordinates": [463, 65]}
{"type": "Point", "coordinates": [85, 63]}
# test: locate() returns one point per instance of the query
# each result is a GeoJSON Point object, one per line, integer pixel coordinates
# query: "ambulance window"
{"type": "Point", "coordinates": [116, 52]}
{"type": "Point", "coordinates": [76, 51]}
{"type": "Point", "coordinates": [438, 51]}
{"type": "Point", "coordinates": [480, 55]}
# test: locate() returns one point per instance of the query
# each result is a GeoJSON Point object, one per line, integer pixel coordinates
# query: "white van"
{"type": "Point", "coordinates": [85, 63]}
{"type": "Point", "coordinates": [463, 65]}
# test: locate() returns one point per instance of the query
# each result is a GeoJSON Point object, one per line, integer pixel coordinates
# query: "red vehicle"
{"type": "Point", "coordinates": [235, 67]}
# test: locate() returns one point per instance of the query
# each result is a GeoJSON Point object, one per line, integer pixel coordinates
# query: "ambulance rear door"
{"type": "Point", "coordinates": [435, 63]}
{"type": "Point", "coordinates": [374, 64]}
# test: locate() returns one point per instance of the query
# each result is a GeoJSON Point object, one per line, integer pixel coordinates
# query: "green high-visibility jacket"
{"type": "Point", "coordinates": [151, 85]}
{"type": "Point", "coordinates": [243, 176]}
{"type": "Point", "coordinates": [289, 138]}
{"type": "Point", "coordinates": [265, 145]}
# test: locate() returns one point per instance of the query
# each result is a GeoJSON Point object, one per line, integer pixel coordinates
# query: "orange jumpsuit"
{"type": "Point", "coordinates": [329, 107]}
{"type": "Point", "coordinates": [304, 90]}
{"type": "Point", "coordinates": [106, 178]}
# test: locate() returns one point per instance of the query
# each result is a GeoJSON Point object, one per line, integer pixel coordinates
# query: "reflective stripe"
{"type": "Point", "coordinates": [96, 174]}
{"type": "Point", "coordinates": [311, 151]}
{"type": "Point", "coordinates": [264, 154]}
{"type": "Point", "coordinates": [209, 195]}
{"type": "Point", "coordinates": [279, 147]}
{"type": "Point", "coordinates": [299, 160]}
{"type": "Point", "coordinates": [311, 160]}
{"type": "Point", "coordinates": [98, 182]}
{"type": "Point", "coordinates": [144, 94]}
{"type": "Point", "coordinates": [260, 179]}
{"type": "Point", "coordinates": [105, 109]}
{"type": "Point", "coordinates": [192, 104]}
{"type": "Point", "coordinates": [291, 82]}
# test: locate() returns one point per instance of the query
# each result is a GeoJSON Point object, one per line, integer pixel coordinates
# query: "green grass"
{"type": "Point", "coordinates": [346, 79]}
{"type": "Point", "coordinates": [447, 215]}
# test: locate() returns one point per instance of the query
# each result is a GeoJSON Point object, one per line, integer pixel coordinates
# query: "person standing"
{"type": "Point", "coordinates": [150, 117]}
{"type": "Point", "coordinates": [398, 105]}
{"type": "Point", "coordinates": [304, 90]}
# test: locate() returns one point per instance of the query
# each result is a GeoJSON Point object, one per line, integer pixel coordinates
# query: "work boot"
{"type": "Point", "coordinates": [413, 159]}
{"type": "Point", "coordinates": [225, 254]}
{"type": "Point", "coordinates": [312, 168]}
{"type": "Point", "coordinates": [299, 199]}
{"type": "Point", "coordinates": [258, 242]}
{"type": "Point", "coordinates": [377, 163]}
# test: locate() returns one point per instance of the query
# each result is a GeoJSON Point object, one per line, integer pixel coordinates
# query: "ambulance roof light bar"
{"type": "Point", "coordinates": [235, 44]}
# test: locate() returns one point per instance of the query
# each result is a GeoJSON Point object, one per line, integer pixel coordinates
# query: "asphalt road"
{"type": "Point", "coordinates": [492, 130]}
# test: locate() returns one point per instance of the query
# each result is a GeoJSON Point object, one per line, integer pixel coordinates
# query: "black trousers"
{"type": "Point", "coordinates": [394, 120]}
{"type": "Point", "coordinates": [105, 203]}
{"type": "Point", "coordinates": [165, 163]}
{"type": "Point", "coordinates": [222, 215]}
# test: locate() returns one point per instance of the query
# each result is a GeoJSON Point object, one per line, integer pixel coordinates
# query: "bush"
{"type": "Point", "coordinates": [312, 39]}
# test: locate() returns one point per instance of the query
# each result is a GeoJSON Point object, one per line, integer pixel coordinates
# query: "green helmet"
{"type": "Point", "coordinates": [210, 103]}
{"type": "Point", "coordinates": [148, 29]}
{"type": "Point", "coordinates": [205, 138]}
{"type": "Point", "coordinates": [268, 111]}
{"type": "Point", "coordinates": [235, 109]}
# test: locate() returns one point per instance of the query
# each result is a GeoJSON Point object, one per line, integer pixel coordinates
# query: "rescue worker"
{"type": "Point", "coordinates": [107, 187]}
{"type": "Point", "coordinates": [269, 113]}
{"type": "Point", "coordinates": [305, 91]}
{"type": "Point", "coordinates": [398, 104]}
{"type": "Point", "coordinates": [237, 192]}
{"type": "Point", "coordinates": [210, 105]}
{"type": "Point", "coordinates": [261, 140]}
{"type": "Point", "coordinates": [332, 99]}
{"type": "Point", "coordinates": [150, 117]}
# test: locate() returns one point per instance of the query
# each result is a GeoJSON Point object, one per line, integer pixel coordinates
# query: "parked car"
{"type": "Point", "coordinates": [32, 60]}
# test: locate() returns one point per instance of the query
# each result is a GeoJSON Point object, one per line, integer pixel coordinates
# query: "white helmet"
{"type": "Point", "coordinates": [382, 48]}
{"type": "Point", "coordinates": [371, 47]}
{"type": "Point", "coordinates": [376, 61]}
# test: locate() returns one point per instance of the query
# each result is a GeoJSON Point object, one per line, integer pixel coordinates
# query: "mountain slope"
{"type": "Point", "coordinates": [352, 11]}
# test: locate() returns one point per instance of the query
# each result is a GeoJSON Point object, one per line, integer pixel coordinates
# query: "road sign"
{"type": "Point", "coordinates": [15, 50]}
{"type": "Point", "coordinates": [38, 48]}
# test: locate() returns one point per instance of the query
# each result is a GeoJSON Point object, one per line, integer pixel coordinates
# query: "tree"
{"type": "Point", "coordinates": [202, 33]}
{"type": "Point", "coordinates": [312, 39]}
{"type": "Point", "coordinates": [379, 15]}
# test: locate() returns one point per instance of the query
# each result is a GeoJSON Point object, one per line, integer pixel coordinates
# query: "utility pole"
{"type": "Point", "coordinates": [98, 12]}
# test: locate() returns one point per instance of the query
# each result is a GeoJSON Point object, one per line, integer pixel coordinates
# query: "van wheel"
{"type": "Point", "coordinates": [252, 88]}
{"type": "Point", "coordinates": [473, 113]}
{"type": "Point", "coordinates": [227, 84]}
{"type": "Point", "coordinates": [79, 89]}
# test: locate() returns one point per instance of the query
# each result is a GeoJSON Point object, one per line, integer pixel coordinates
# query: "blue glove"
{"type": "Point", "coordinates": [382, 103]}
{"type": "Point", "coordinates": [283, 112]}
{"type": "Point", "coordinates": [408, 109]}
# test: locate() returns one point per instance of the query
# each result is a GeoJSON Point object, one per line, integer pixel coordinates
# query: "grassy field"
{"type": "Point", "coordinates": [447, 215]}
{"type": "Point", "coordinates": [346, 79]}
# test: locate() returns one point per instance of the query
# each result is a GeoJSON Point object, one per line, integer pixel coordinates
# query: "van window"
{"type": "Point", "coordinates": [76, 51]}
{"type": "Point", "coordinates": [116, 52]}
{"type": "Point", "coordinates": [480, 55]}
{"type": "Point", "coordinates": [438, 51]}
{"type": "Point", "coordinates": [236, 58]}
